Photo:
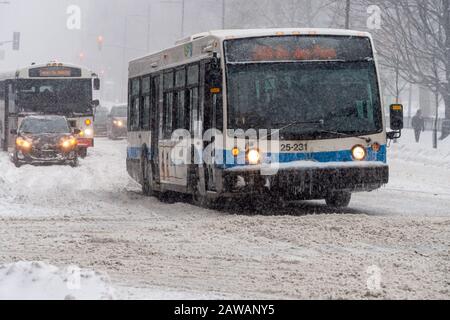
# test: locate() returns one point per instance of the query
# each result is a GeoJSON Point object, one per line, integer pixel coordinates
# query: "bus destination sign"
{"type": "Point", "coordinates": [54, 72]}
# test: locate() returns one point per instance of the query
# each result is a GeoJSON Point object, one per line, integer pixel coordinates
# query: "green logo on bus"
{"type": "Point", "coordinates": [188, 50]}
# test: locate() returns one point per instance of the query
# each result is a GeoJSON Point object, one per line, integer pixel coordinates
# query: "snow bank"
{"type": "Point", "coordinates": [40, 281]}
{"type": "Point", "coordinates": [408, 150]}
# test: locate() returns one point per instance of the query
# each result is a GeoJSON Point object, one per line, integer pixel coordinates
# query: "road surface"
{"type": "Point", "coordinates": [392, 243]}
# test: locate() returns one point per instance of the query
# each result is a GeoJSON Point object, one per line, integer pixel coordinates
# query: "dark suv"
{"type": "Point", "coordinates": [45, 140]}
{"type": "Point", "coordinates": [100, 120]}
{"type": "Point", "coordinates": [117, 122]}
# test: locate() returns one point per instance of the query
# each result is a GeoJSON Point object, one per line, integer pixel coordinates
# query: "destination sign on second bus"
{"type": "Point", "coordinates": [298, 48]}
{"type": "Point", "coordinates": [48, 72]}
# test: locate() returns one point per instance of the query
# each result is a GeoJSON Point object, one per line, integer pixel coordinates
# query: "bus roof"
{"type": "Point", "coordinates": [24, 72]}
{"type": "Point", "coordinates": [203, 42]}
{"type": "Point", "coordinates": [249, 33]}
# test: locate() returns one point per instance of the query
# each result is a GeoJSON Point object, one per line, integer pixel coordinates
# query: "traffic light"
{"type": "Point", "coordinates": [100, 41]}
{"type": "Point", "coordinates": [16, 41]}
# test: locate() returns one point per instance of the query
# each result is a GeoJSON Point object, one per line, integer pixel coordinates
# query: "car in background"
{"type": "Point", "coordinates": [42, 140]}
{"type": "Point", "coordinates": [100, 122]}
{"type": "Point", "coordinates": [118, 122]}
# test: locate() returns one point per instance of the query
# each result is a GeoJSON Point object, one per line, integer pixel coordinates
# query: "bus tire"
{"type": "Point", "coordinates": [205, 202]}
{"type": "Point", "coordinates": [146, 187]}
{"type": "Point", "coordinates": [82, 153]}
{"type": "Point", "coordinates": [338, 199]}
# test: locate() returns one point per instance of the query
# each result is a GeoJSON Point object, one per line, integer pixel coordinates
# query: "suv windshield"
{"type": "Point", "coordinates": [119, 112]}
{"type": "Point", "coordinates": [341, 96]}
{"type": "Point", "coordinates": [41, 125]}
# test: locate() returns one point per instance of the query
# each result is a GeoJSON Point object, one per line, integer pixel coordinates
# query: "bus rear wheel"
{"type": "Point", "coordinates": [340, 199]}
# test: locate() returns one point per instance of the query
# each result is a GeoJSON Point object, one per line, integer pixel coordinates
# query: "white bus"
{"type": "Point", "coordinates": [48, 89]}
{"type": "Point", "coordinates": [286, 113]}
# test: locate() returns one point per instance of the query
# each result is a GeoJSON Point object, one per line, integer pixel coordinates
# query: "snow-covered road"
{"type": "Point", "coordinates": [94, 217]}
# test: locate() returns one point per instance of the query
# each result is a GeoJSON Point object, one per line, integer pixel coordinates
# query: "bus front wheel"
{"type": "Point", "coordinates": [339, 199]}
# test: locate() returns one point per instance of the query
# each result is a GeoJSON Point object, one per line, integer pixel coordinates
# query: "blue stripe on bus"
{"type": "Point", "coordinates": [322, 157]}
{"type": "Point", "coordinates": [134, 153]}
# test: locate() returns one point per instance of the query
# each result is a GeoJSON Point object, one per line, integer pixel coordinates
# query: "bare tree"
{"type": "Point", "coordinates": [280, 13]}
{"type": "Point", "coordinates": [415, 40]}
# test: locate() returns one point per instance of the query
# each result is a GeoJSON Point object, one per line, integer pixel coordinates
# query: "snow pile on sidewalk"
{"type": "Point", "coordinates": [40, 281]}
{"type": "Point", "coordinates": [423, 152]}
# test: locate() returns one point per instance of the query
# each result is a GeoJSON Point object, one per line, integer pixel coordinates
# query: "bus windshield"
{"type": "Point", "coordinates": [342, 96]}
{"type": "Point", "coordinates": [57, 96]}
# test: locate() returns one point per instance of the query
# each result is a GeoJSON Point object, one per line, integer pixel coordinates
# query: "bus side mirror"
{"type": "Point", "coordinates": [14, 132]}
{"type": "Point", "coordinates": [396, 115]}
{"type": "Point", "coordinates": [96, 84]}
{"type": "Point", "coordinates": [95, 103]}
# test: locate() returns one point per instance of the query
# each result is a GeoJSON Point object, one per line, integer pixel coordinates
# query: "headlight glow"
{"type": "Point", "coordinates": [254, 157]}
{"type": "Point", "coordinates": [21, 143]}
{"type": "Point", "coordinates": [118, 123]}
{"type": "Point", "coordinates": [359, 153]}
{"type": "Point", "coordinates": [68, 143]}
{"type": "Point", "coordinates": [89, 132]}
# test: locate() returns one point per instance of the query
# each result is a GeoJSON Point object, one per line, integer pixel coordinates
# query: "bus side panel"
{"type": "Point", "coordinates": [133, 158]}
{"type": "Point", "coordinates": [2, 116]}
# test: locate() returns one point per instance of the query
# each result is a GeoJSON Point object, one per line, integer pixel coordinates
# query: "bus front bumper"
{"type": "Point", "coordinates": [85, 142]}
{"type": "Point", "coordinates": [307, 182]}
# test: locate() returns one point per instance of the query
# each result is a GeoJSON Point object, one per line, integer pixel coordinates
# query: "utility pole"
{"type": "Point", "coordinates": [183, 7]}
{"type": "Point", "coordinates": [348, 7]}
{"type": "Point", "coordinates": [183, 12]}
{"type": "Point", "coordinates": [149, 15]}
{"type": "Point", "coordinates": [224, 13]}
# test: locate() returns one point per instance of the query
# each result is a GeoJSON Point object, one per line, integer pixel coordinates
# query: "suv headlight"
{"type": "Point", "coordinates": [23, 144]}
{"type": "Point", "coordinates": [68, 143]}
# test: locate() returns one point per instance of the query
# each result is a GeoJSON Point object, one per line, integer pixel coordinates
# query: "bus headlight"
{"type": "Point", "coordinates": [88, 132]}
{"type": "Point", "coordinates": [359, 153]}
{"type": "Point", "coordinates": [254, 156]}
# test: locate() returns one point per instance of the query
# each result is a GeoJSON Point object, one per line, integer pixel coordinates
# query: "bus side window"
{"type": "Point", "coordinates": [168, 104]}
{"type": "Point", "coordinates": [134, 105]}
{"type": "Point", "coordinates": [155, 90]}
{"type": "Point", "coordinates": [11, 99]}
{"type": "Point", "coordinates": [192, 91]}
{"type": "Point", "coordinates": [179, 112]}
{"type": "Point", "coordinates": [145, 115]}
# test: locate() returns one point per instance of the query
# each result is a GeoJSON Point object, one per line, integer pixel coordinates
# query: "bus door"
{"type": "Point", "coordinates": [11, 119]}
{"type": "Point", "coordinates": [3, 116]}
{"type": "Point", "coordinates": [213, 121]}
{"type": "Point", "coordinates": [172, 169]}
{"type": "Point", "coordinates": [155, 104]}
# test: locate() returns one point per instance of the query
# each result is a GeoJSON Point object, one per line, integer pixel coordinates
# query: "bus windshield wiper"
{"type": "Point", "coordinates": [320, 122]}
{"type": "Point", "coordinates": [346, 135]}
